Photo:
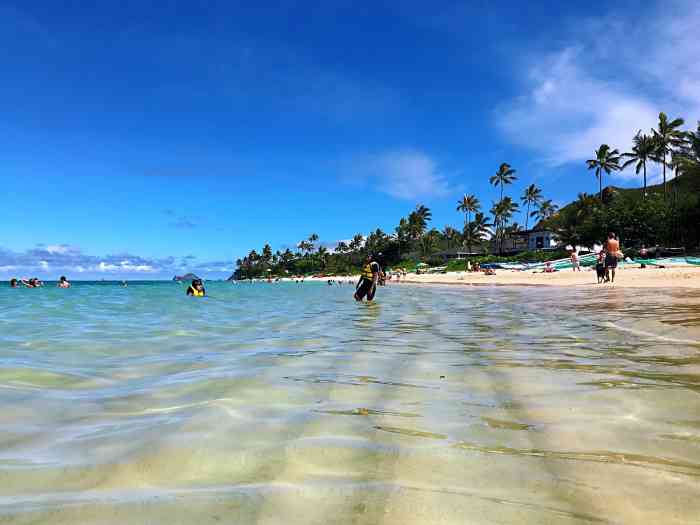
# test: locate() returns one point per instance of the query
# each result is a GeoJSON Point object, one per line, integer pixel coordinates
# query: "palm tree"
{"type": "Point", "coordinates": [689, 155]}
{"type": "Point", "coordinates": [477, 230]}
{"type": "Point", "coordinates": [667, 137]}
{"type": "Point", "coordinates": [504, 175]}
{"type": "Point", "coordinates": [322, 255]}
{"type": "Point", "coordinates": [606, 160]}
{"type": "Point", "coordinates": [429, 241]}
{"type": "Point", "coordinates": [545, 210]}
{"type": "Point", "coordinates": [450, 234]}
{"type": "Point", "coordinates": [468, 205]}
{"type": "Point", "coordinates": [305, 246]}
{"type": "Point", "coordinates": [418, 221]}
{"type": "Point", "coordinates": [502, 212]}
{"type": "Point", "coordinates": [531, 196]}
{"type": "Point", "coordinates": [643, 150]}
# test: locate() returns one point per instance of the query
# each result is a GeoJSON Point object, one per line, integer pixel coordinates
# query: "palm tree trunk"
{"type": "Point", "coordinates": [645, 179]}
{"type": "Point", "coordinates": [664, 168]}
{"type": "Point", "coordinates": [600, 186]}
{"type": "Point", "coordinates": [528, 214]}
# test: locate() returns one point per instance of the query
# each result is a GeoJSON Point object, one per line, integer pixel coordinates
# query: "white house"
{"type": "Point", "coordinates": [541, 240]}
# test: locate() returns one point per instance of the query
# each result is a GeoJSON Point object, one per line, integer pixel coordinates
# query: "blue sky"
{"type": "Point", "coordinates": [137, 142]}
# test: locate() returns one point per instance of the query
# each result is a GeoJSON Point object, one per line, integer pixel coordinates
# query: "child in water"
{"type": "Point", "coordinates": [196, 289]}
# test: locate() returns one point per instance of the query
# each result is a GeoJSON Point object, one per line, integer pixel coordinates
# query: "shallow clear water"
{"type": "Point", "coordinates": [291, 403]}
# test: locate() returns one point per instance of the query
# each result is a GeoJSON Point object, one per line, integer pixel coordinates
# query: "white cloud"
{"type": "Point", "coordinates": [607, 84]}
{"type": "Point", "coordinates": [61, 258]}
{"type": "Point", "coordinates": [406, 175]}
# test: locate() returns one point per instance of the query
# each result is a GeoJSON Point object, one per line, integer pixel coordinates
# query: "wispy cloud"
{"type": "Point", "coordinates": [608, 83]}
{"type": "Point", "coordinates": [182, 222]}
{"type": "Point", "coordinates": [407, 175]}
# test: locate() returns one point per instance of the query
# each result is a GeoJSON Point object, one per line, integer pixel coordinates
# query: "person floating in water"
{"type": "Point", "coordinates": [63, 282]}
{"type": "Point", "coordinates": [367, 285]}
{"type": "Point", "coordinates": [32, 283]}
{"type": "Point", "coordinates": [14, 283]}
{"type": "Point", "coordinates": [196, 289]}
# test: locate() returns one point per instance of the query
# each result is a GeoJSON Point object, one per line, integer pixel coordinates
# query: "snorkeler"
{"type": "Point", "coordinates": [196, 289]}
{"type": "Point", "coordinates": [63, 282]}
{"type": "Point", "coordinates": [367, 285]}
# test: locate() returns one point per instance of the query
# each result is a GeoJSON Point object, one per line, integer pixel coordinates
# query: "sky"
{"type": "Point", "coordinates": [142, 141]}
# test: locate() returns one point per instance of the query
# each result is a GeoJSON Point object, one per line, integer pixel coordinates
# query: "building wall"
{"type": "Point", "coordinates": [541, 240]}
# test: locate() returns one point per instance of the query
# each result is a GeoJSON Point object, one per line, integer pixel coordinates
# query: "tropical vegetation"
{"type": "Point", "coordinates": [666, 214]}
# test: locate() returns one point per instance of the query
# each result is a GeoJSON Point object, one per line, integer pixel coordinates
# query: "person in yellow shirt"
{"type": "Point", "coordinates": [367, 285]}
{"type": "Point", "coordinates": [196, 289]}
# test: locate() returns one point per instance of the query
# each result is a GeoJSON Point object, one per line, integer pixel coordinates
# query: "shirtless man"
{"type": "Point", "coordinates": [612, 247]}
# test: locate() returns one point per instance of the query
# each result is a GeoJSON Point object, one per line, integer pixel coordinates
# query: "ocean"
{"type": "Point", "coordinates": [291, 403]}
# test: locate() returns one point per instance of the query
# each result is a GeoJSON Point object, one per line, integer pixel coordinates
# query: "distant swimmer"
{"type": "Point", "coordinates": [367, 285]}
{"type": "Point", "coordinates": [32, 283]}
{"type": "Point", "coordinates": [196, 289]}
{"type": "Point", "coordinates": [63, 282]}
{"type": "Point", "coordinates": [14, 283]}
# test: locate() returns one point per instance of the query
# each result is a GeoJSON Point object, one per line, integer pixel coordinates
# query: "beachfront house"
{"type": "Point", "coordinates": [541, 240]}
{"type": "Point", "coordinates": [524, 240]}
{"type": "Point", "coordinates": [460, 253]}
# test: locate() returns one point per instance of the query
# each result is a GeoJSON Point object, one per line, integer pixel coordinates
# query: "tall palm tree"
{"type": "Point", "coordinates": [689, 154]}
{"type": "Point", "coordinates": [322, 256]}
{"type": "Point", "coordinates": [468, 205]}
{"type": "Point", "coordinates": [545, 210]}
{"type": "Point", "coordinates": [531, 196]}
{"type": "Point", "coordinates": [667, 137]}
{"type": "Point", "coordinates": [480, 226]}
{"type": "Point", "coordinates": [418, 221]}
{"type": "Point", "coordinates": [504, 175]}
{"type": "Point", "coordinates": [450, 234]}
{"type": "Point", "coordinates": [606, 160]}
{"type": "Point", "coordinates": [502, 212]}
{"type": "Point", "coordinates": [643, 150]}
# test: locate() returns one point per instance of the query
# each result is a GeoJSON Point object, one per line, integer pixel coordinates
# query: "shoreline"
{"type": "Point", "coordinates": [662, 278]}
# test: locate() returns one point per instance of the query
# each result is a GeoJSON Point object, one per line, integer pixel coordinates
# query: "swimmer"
{"type": "Point", "coordinates": [63, 282]}
{"type": "Point", "coordinates": [32, 283]}
{"type": "Point", "coordinates": [367, 285]}
{"type": "Point", "coordinates": [14, 283]}
{"type": "Point", "coordinates": [196, 289]}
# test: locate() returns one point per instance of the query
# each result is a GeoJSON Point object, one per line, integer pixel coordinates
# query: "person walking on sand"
{"type": "Point", "coordinates": [574, 260]}
{"type": "Point", "coordinates": [612, 249]}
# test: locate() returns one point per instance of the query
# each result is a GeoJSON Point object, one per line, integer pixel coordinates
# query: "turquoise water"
{"type": "Point", "coordinates": [269, 403]}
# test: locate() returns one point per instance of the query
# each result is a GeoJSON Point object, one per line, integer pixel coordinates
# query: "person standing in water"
{"type": "Point", "coordinates": [367, 285]}
{"type": "Point", "coordinates": [63, 282]}
{"type": "Point", "coordinates": [612, 249]}
{"type": "Point", "coordinates": [196, 289]}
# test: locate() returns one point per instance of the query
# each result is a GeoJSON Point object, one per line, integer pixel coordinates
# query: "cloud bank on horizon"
{"type": "Point", "coordinates": [50, 261]}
